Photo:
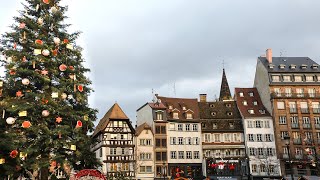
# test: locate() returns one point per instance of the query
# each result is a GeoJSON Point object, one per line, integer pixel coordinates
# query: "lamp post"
{"type": "Point", "coordinates": [287, 142]}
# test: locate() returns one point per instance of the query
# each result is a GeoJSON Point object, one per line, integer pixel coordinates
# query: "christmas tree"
{"type": "Point", "coordinates": [45, 111]}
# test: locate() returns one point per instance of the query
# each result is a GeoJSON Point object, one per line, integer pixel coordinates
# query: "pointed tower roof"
{"type": "Point", "coordinates": [115, 112]}
{"type": "Point", "coordinates": [224, 90]}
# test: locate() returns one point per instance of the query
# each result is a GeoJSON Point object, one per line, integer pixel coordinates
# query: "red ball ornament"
{"type": "Point", "coordinates": [62, 67]}
{"type": "Point", "coordinates": [71, 68]}
{"type": "Point", "coordinates": [55, 52]}
{"type": "Point", "coordinates": [14, 153]}
{"type": "Point", "coordinates": [26, 124]}
{"type": "Point", "coordinates": [65, 41]}
{"type": "Point", "coordinates": [38, 41]}
{"type": "Point", "coordinates": [80, 88]}
{"type": "Point", "coordinates": [79, 124]}
{"type": "Point", "coordinates": [46, 1]}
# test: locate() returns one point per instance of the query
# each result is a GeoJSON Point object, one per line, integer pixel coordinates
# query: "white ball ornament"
{"type": "Point", "coordinates": [9, 59]}
{"type": "Point", "coordinates": [54, 9]}
{"type": "Point", "coordinates": [45, 52]}
{"type": "Point", "coordinates": [45, 113]}
{"type": "Point", "coordinates": [10, 120]}
{"type": "Point", "coordinates": [25, 81]}
{"type": "Point", "coordinates": [40, 21]}
{"type": "Point", "coordinates": [56, 40]}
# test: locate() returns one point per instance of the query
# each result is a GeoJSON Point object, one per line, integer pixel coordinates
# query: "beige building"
{"type": "Point", "coordinates": [289, 89]}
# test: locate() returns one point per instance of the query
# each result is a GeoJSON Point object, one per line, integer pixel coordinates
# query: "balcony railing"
{"type": "Point", "coordinates": [118, 142]}
{"type": "Point", "coordinates": [294, 95]}
{"type": "Point", "coordinates": [297, 141]}
{"type": "Point", "coordinates": [304, 110]}
{"type": "Point", "coordinates": [298, 156]}
{"type": "Point", "coordinates": [308, 141]}
{"type": "Point", "coordinates": [317, 126]}
{"type": "Point", "coordinates": [122, 158]}
{"type": "Point", "coordinates": [293, 110]}
{"type": "Point", "coordinates": [316, 110]}
{"type": "Point", "coordinates": [295, 126]}
{"type": "Point", "coordinates": [306, 126]}
{"type": "Point", "coordinates": [285, 156]}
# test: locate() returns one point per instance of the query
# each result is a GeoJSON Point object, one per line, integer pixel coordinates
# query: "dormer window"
{"type": "Point", "coordinates": [231, 125]}
{"type": "Point", "coordinates": [255, 103]}
{"type": "Point", "coordinates": [189, 116]}
{"type": "Point", "coordinates": [251, 111]}
{"type": "Point", "coordinates": [228, 105]}
{"type": "Point", "coordinates": [175, 115]}
{"type": "Point", "coordinates": [212, 105]}
{"type": "Point", "coordinates": [286, 78]}
{"type": "Point", "coordinates": [251, 94]}
{"type": "Point", "coordinates": [241, 94]}
{"type": "Point", "coordinates": [275, 78]}
{"type": "Point", "coordinates": [309, 78]}
{"type": "Point", "coordinates": [184, 108]}
{"type": "Point", "coordinates": [262, 111]}
{"type": "Point", "coordinates": [304, 66]}
{"type": "Point", "coordinates": [293, 66]}
{"type": "Point", "coordinates": [214, 126]}
{"type": "Point", "coordinates": [297, 78]}
{"type": "Point", "coordinates": [245, 103]}
{"type": "Point", "coordinates": [271, 66]}
{"type": "Point", "coordinates": [213, 113]}
{"type": "Point", "coordinates": [229, 113]}
{"type": "Point", "coordinates": [282, 66]}
{"type": "Point", "coordinates": [159, 115]}
{"type": "Point", "coordinates": [314, 66]}
{"type": "Point", "coordinates": [170, 107]}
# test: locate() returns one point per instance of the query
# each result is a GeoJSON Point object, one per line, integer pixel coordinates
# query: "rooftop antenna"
{"type": "Point", "coordinates": [152, 92]}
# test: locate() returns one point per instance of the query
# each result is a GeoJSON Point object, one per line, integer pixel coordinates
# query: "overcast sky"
{"type": "Point", "coordinates": [133, 47]}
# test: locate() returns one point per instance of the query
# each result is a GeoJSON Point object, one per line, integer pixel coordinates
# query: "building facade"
{"type": "Point", "coordinates": [144, 152]}
{"type": "Point", "coordinates": [289, 89]}
{"type": "Point", "coordinates": [154, 114]}
{"type": "Point", "coordinates": [115, 147]}
{"type": "Point", "coordinates": [222, 136]}
{"type": "Point", "coordinates": [259, 134]}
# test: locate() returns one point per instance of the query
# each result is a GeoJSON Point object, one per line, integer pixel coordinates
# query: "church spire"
{"type": "Point", "coordinates": [224, 90]}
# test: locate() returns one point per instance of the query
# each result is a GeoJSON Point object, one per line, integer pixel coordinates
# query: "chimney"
{"type": "Point", "coordinates": [269, 55]}
{"type": "Point", "coordinates": [203, 97]}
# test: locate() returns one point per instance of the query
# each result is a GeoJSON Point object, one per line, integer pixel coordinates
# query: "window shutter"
{"type": "Point", "coordinates": [273, 151]}
{"type": "Point", "coordinates": [272, 138]}
{"type": "Point", "coordinates": [265, 153]}
{"type": "Point", "coordinates": [255, 151]}
{"type": "Point", "coordinates": [254, 137]}
{"type": "Point", "coordinates": [262, 124]}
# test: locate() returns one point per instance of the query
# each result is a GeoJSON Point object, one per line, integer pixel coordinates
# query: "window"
{"type": "Point", "coordinates": [317, 120]}
{"type": "Point", "coordinates": [173, 154]}
{"type": "Point", "coordinates": [231, 125]}
{"type": "Point", "coordinates": [255, 103]}
{"type": "Point", "coordinates": [259, 137]}
{"type": "Point", "coordinates": [260, 151]}
{"type": "Point", "coordinates": [298, 151]}
{"type": "Point", "coordinates": [282, 120]}
{"type": "Point", "coordinates": [280, 105]}
{"type": "Point", "coordinates": [241, 94]}
{"type": "Point", "coordinates": [158, 142]}
{"type": "Point", "coordinates": [188, 141]}
{"type": "Point", "coordinates": [251, 94]}
{"type": "Point", "coordinates": [288, 92]}
{"type": "Point", "coordinates": [214, 126]}
{"type": "Point", "coordinates": [180, 127]}
{"type": "Point", "coordinates": [245, 103]}
{"type": "Point", "coordinates": [270, 152]}
{"type": "Point", "coordinates": [228, 105]}
{"type": "Point", "coordinates": [275, 78]}
{"type": "Point", "coordinates": [266, 124]}
{"type": "Point", "coordinates": [113, 136]}
{"type": "Point", "coordinates": [175, 115]}
{"type": "Point", "coordinates": [250, 136]}
{"type": "Point", "coordinates": [284, 134]}
{"type": "Point", "coordinates": [189, 116]}
{"type": "Point", "coordinates": [227, 137]}
{"type": "Point", "coordinates": [172, 140]}
{"type": "Point", "coordinates": [236, 137]}
{"type": "Point", "coordinates": [145, 169]}
{"type": "Point", "coordinates": [249, 124]}
{"type": "Point", "coordinates": [113, 151]}
{"type": "Point", "coordinates": [170, 107]}
{"type": "Point", "coordinates": [142, 156]}
{"type": "Point", "coordinates": [181, 154]}
{"type": "Point", "coordinates": [306, 120]}
{"type": "Point", "coordinates": [250, 111]}
{"type": "Point", "coordinates": [142, 142]}
{"type": "Point", "coordinates": [294, 120]}
{"type": "Point", "coordinates": [171, 126]}
{"type": "Point", "coordinates": [122, 151]}
{"type": "Point", "coordinates": [316, 107]}
{"type": "Point", "coordinates": [299, 92]}
{"type": "Point", "coordinates": [124, 166]}
{"type": "Point", "coordinates": [189, 155]}
{"type": "Point", "coordinates": [213, 113]}
{"type": "Point", "coordinates": [312, 91]}
{"type": "Point", "coordinates": [229, 113]}
{"type": "Point", "coordinates": [195, 127]}
{"type": "Point", "coordinates": [217, 138]}
{"type": "Point", "coordinates": [161, 156]}
{"type": "Point", "coordinates": [259, 124]}
{"type": "Point", "coordinates": [159, 116]}
{"type": "Point", "coordinates": [252, 152]}
{"type": "Point", "coordinates": [163, 129]}
{"type": "Point", "coordinates": [196, 155]}
{"type": "Point", "coordinates": [207, 137]}
{"type": "Point", "coordinates": [164, 142]}
{"type": "Point", "coordinates": [268, 137]}
{"type": "Point", "coordinates": [158, 130]}
{"type": "Point", "coordinates": [187, 127]}
{"type": "Point", "coordinates": [196, 140]}
{"type": "Point", "coordinates": [262, 168]}
{"type": "Point", "coordinates": [286, 78]}
{"type": "Point", "coordinates": [148, 142]}
{"type": "Point", "coordinates": [304, 107]}
{"type": "Point", "coordinates": [277, 91]}
{"type": "Point", "coordinates": [309, 78]}
{"type": "Point", "coordinates": [184, 108]}
{"type": "Point", "coordinates": [297, 78]}
{"type": "Point", "coordinates": [113, 167]}
{"type": "Point", "coordinates": [271, 169]}
{"type": "Point", "coordinates": [254, 168]}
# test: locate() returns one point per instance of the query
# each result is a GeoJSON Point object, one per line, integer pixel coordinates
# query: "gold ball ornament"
{"type": "Point", "coordinates": [64, 95]}
{"type": "Point", "coordinates": [40, 21]}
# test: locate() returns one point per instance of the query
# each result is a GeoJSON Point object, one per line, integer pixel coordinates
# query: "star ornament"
{"type": "Point", "coordinates": [44, 72]}
{"type": "Point", "coordinates": [18, 93]}
{"type": "Point", "coordinates": [58, 119]}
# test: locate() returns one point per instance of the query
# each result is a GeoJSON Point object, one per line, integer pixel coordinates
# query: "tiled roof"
{"type": "Point", "coordinates": [219, 110]}
{"type": "Point", "coordinates": [244, 109]}
{"type": "Point", "coordinates": [288, 62]}
{"type": "Point", "coordinates": [157, 105]}
{"type": "Point", "coordinates": [142, 127]}
{"type": "Point", "coordinates": [115, 112]}
{"type": "Point", "coordinates": [178, 104]}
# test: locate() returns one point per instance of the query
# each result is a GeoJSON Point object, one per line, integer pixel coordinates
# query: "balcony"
{"type": "Point", "coordinates": [297, 141]}
{"type": "Point", "coordinates": [298, 156]}
{"type": "Point", "coordinates": [293, 110]}
{"type": "Point", "coordinates": [304, 110]}
{"type": "Point", "coordinates": [306, 126]}
{"type": "Point", "coordinates": [285, 156]}
{"type": "Point", "coordinates": [308, 141]}
{"type": "Point", "coordinates": [295, 126]}
{"type": "Point", "coordinates": [317, 126]}
{"type": "Point", "coordinates": [316, 110]}
{"type": "Point", "coordinates": [118, 142]}
{"type": "Point", "coordinates": [294, 95]}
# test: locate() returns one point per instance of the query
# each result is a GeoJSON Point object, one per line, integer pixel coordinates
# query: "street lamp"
{"type": "Point", "coordinates": [287, 142]}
